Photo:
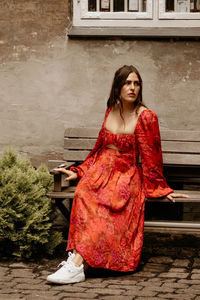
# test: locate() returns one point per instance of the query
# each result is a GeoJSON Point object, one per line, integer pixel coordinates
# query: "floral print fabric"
{"type": "Point", "coordinates": [107, 217]}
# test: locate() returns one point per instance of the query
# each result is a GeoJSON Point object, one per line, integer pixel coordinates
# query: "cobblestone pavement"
{"type": "Point", "coordinates": [165, 272]}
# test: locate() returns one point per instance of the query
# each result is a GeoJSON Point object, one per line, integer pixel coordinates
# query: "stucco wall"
{"type": "Point", "coordinates": [49, 82]}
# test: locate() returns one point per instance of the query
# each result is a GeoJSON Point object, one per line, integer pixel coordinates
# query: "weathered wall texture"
{"type": "Point", "coordinates": [49, 82]}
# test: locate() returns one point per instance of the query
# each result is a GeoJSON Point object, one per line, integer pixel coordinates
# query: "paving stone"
{"type": "Point", "coordinates": [160, 289]}
{"type": "Point", "coordinates": [11, 297]}
{"type": "Point", "coordinates": [7, 278]}
{"type": "Point", "coordinates": [195, 287]}
{"type": "Point", "coordinates": [9, 284]}
{"type": "Point", "coordinates": [189, 281]}
{"type": "Point", "coordinates": [176, 275]}
{"type": "Point", "coordinates": [23, 273]}
{"type": "Point", "coordinates": [126, 287]}
{"type": "Point", "coordinates": [70, 298]}
{"type": "Point", "coordinates": [155, 268]}
{"type": "Point", "coordinates": [161, 260]}
{"type": "Point", "coordinates": [108, 291]}
{"type": "Point", "coordinates": [184, 252]}
{"type": "Point", "coordinates": [175, 296]}
{"type": "Point", "coordinates": [131, 282]}
{"type": "Point", "coordinates": [3, 271]}
{"type": "Point", "coordinates": [195, 276]}
{"type": "Point", "coordinates": [146, 298]}
{"type": "Point", "coordinates": [158, 279]}
{"type": "Point", "coordinates": [181, 262]}
{"type": "Point", "coordinates": [196, 262]}
{"type": "Point", "coordinates": [67, 288]}
{"type": "Point", "coordinates": [9, 291]}
{"type": "Point", "coordinates": [116, 298]}
{"type": "Point", "coordinates": [188, 291]}
{"type": "Point", "coordinates": [20, 265]}
{"type": "Point", "coordinates": [145, 292]}
{"type": "Point", "coordinates": [149, 283]}
{"type": "Point", "coordinates": [87, 295]}
{"type": "Point", "coordinates": [154, 280]}
{"type": "Point", "coordinates": [42, 294]}
{"type": "Point", "coordinates": [24, 286]}
{"type": "Point", "coordinates": [138, 278]}
{"type": "Point", "coordinates": [175, 285]}
{"type": "Point", "coordinates": [34, 281]}
{"type": "Point", "coordinates": [196, 271]}
{"type": "Point", "coordinates": [145, 274]}
{"type": "Point", "coordinates": [177, 270]}
{"type": "Point", "coordinates": [39, 297]}
{"type": "Point", "coordinates": [89, 284]}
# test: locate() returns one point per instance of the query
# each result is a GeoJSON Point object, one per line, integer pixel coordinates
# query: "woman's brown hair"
{"type": "Point", "coordinates": [119, 80]}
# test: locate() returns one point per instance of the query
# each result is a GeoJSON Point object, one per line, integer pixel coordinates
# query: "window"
{"type": "Point", "coordinates": [179, 9]}
{"type": "Point", "coordinates": [102, 12]}
{"type": "Point", "coordinates": [136, 13]}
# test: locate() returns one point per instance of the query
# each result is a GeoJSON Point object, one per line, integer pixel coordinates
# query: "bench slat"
{"type": "Point", "coordinates": [181, 147]}
{"type": "Point", "coordinates": [167, 146]}
{"type": "Point", "coordinates": [175, 224]}
{"type": "Point", "coordinates": [75, 155]}
{"type": "Point", "coordinates": [168, 158]}
{"type": "Point", "coordinates": [180, 135]}
{"type": "Point", "coordinates": [168, 230]}
{"type": "Point", "coordinates": [82, 144]}
{"type": "Point", "coordinates": [171, 135]}
{"type": "Point", "coordinates": [194, 196]}
{"type": "Point", "coordinates": [181, 159]}
{"type": "Point", "coordinates": [89, 132]}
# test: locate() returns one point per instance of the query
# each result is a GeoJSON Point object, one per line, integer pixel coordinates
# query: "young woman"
{"type": "Point", "coordinates": [107, 217]}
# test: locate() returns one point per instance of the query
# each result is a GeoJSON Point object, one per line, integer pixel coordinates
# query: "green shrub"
{"type": "Point", "coordinates": [26, 214]}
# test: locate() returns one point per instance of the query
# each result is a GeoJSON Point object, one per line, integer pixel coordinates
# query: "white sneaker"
{"type": "Point", "coordinates": [68, 273]}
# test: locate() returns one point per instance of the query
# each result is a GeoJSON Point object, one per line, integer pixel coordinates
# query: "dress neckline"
{"type": "Point", "coordinates": [124, 134]}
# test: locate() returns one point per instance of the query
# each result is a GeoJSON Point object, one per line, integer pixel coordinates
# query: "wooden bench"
{"type": "Point", "coordinates": [181, 157]}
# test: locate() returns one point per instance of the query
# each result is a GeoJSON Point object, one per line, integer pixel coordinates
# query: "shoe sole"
{"type": "Point", "coordinates": [73, 280]}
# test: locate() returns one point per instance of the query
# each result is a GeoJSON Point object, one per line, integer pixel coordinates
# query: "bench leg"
{"type": "Point", "coordinates": [62, 208]}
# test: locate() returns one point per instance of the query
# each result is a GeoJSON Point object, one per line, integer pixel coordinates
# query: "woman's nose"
{"type": "Point", "coordinates": [132, 86]}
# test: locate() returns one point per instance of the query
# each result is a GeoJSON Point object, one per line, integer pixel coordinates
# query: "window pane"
{"type": "Point", "coordinates": [105, 5]}
{"type": "Point", "coordinates": [92, 5]}
{"type": "Point", "coordinates": [169, 5]}
{"type": "Point", "coordinates": [182, 6]}
{"type": "Point", "coordinates": [118, 5]}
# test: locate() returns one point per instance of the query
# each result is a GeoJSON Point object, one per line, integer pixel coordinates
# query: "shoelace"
{"type": "Point", "coordinates": [66, 263]}
{"type": "Point", "coordinates": [62, 264]}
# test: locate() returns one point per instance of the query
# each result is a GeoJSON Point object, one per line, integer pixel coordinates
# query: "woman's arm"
{"type": "Point", "coordinates": [79, 171]}
{"type": "Point", "coordinates": [149, 144]}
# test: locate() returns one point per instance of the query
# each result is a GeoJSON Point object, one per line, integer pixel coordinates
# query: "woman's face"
{"type": "Point", "coordinates": [130, 90]}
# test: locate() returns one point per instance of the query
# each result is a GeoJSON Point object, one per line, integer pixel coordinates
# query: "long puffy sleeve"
{"type": "Point", "coordinates": [149, 145]}
{"type": "Point", "coordinates": [82, 168]}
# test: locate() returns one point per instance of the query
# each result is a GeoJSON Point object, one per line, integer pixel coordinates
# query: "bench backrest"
{"type": "Point", "coordinates": [179, 147]}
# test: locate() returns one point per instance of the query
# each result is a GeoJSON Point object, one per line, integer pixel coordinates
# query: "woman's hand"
{"type": "Point", "coordinates": [71, 175]}
{"type": "Point", "coordinates": [176, 195]}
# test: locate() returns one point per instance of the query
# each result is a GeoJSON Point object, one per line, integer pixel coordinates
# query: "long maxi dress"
{"type": "Point", "coordinates": [107, 216]}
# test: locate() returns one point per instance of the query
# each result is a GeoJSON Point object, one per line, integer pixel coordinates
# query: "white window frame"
{"type": "Point", "coordinates": [176, 15]}
{"type": "Point", "coordinates": [85, 14]}
{"type": "Point", "coordinates": [154, 17]}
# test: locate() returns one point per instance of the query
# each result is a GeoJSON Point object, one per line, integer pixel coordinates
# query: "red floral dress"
{"type": "Point", "coordinates": [107, 217]}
